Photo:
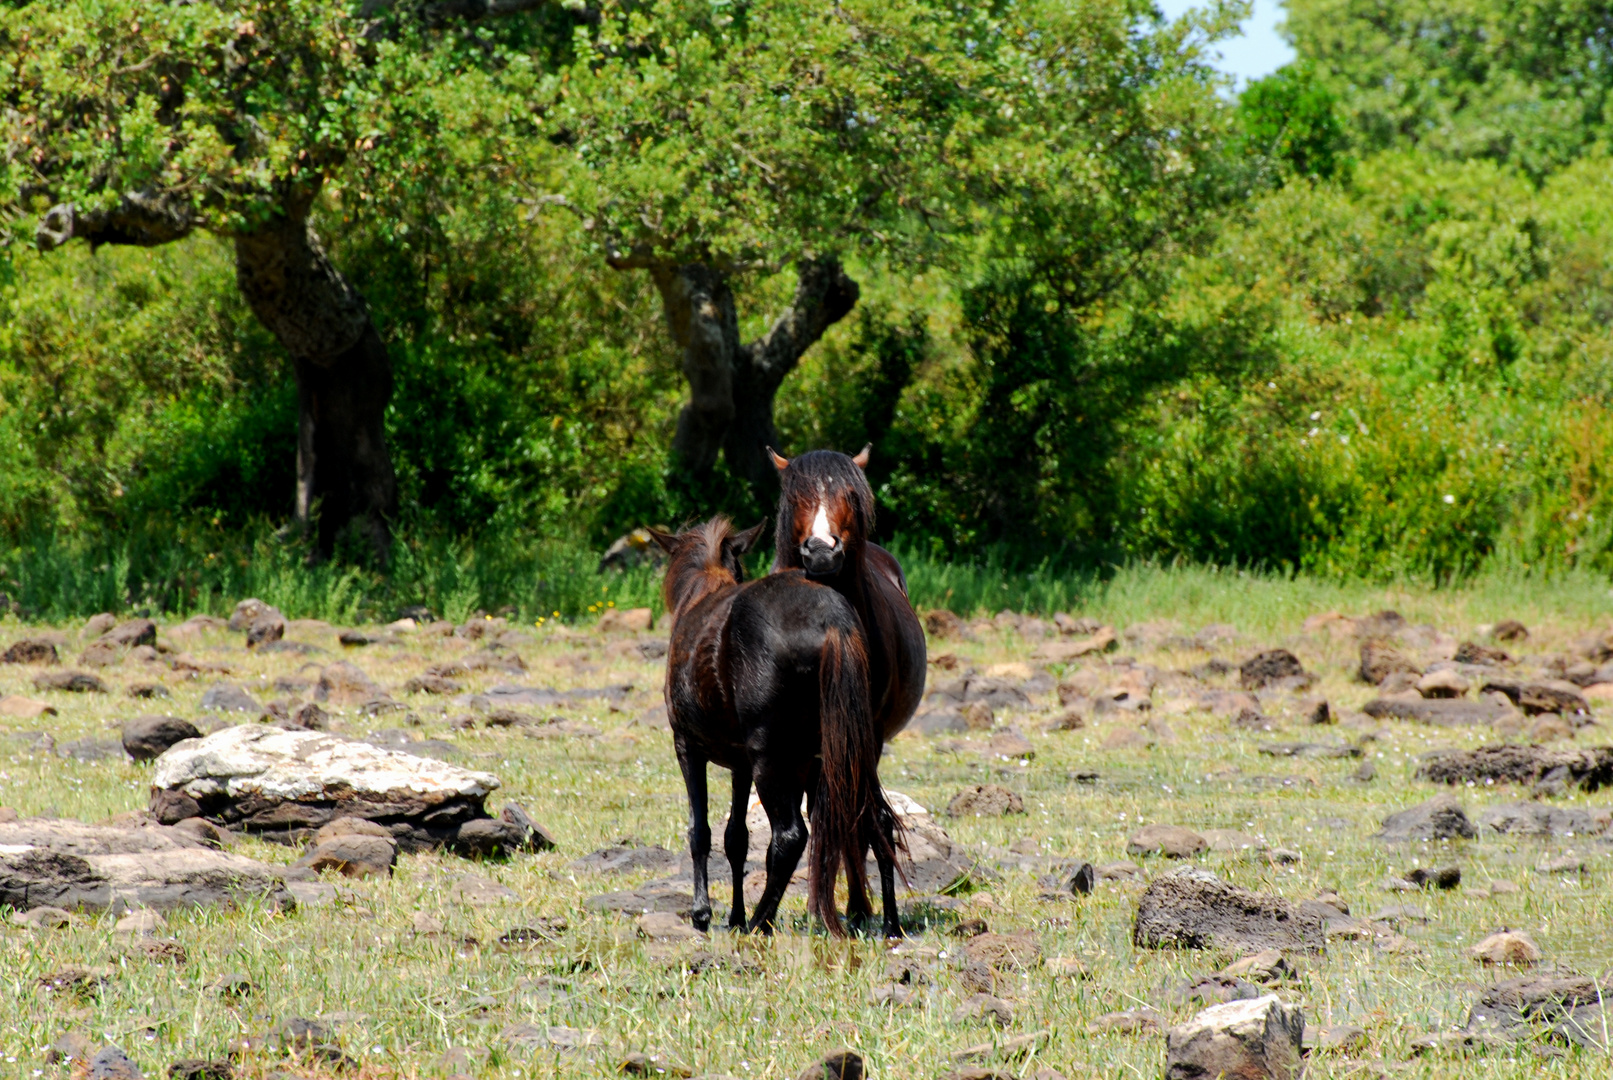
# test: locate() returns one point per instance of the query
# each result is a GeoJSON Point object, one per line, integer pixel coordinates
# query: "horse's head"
{"type": "Point", "coordinates": [704, 559]}
{"type": "Point", "coordinates": [826, 510]}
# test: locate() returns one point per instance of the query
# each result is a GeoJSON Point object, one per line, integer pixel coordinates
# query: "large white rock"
{"type": "Point", "coordinates": [1256, 1039]}
{"type": "Point", "coordinates": [254, 759]}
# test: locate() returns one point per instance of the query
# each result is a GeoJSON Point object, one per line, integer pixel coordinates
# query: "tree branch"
{"type": "Point", "coordinates": [824, 294]}
{"type": "Point", "coordinates": [142, 219]}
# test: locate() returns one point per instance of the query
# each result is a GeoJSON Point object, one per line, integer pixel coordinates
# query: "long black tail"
{"type": "Point", "coordinates": [849, 798]}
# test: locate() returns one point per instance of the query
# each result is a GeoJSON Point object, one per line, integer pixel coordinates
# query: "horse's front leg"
{"type": "Point", "coordinates": [694, 782]}
{"type": "Point", "coordinates": [883, 855]}
{"type": "Point", "coordinates": [736, 843]}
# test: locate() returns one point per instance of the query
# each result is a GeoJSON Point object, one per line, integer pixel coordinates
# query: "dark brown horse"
{"type": "Point", "coordinates": [769, 679]}
{"type": "Point", "coordinates": [825, 516]}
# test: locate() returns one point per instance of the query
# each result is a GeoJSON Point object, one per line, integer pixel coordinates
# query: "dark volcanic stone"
{"type": "Point", "coordinates": [30, 651]}
{"type": "Point", "coordinates": [1444, 712]}
{"type": "Point", "coordinates": [172, 807]}
{"type": "Point", "coordinates": [1471, 653]}
{"type": "Point", "coordinates": [1539, 819]}
{"type": "Point", "coordinates": [75, 682]}
{"type": "Point", "coordinates": [1590, 769]}
{"type": "Point", "coordinates": [1194, 909]}
{"type": "Point", "coordinates": [200, 1069]}
{"type": "Point", "coordinates": [228, 697]}
{"type": "Point", "coordinates": [534, 837]}
{"type": "Point", "coordinates": [111, 1063]}
{"type": "Point", "coordinates": [1440, 818]}
{"type": "Point", "coordinates": [1446, 877]}
{"type": "Point", "coordinates": [1379, 660]}
{"type": "Point", "coordinates": [146, 737]}
{"type": "Point", "coordinates": [1571, 1008]}
{"type": "Point", "coordinates": [1259, 671]}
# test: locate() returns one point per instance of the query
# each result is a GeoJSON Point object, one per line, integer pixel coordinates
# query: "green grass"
{"type": "Point", "coordinates": [401, 1000]}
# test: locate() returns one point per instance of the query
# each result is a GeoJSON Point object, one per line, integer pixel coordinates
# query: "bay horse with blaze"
{"type": "Point", "coordinates": [769, 679]}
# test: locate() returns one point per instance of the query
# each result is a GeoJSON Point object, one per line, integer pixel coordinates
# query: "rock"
{"type": "Point", "coordinates": [1540, 819]}
{"type": "Point", "coordinates": [68, 864]}
{"type": "Point", "coordinates": [134, 632]}
{"type": "Point", "coordinates": [342, 683]}
{"type": "Point", "coordinates": [842, 1064]}
{"type": "Point", "coordinates": [100, 654]}
{"type": "Point", "coordinates": [147, 737]}
{"type": "Point", "coordinates": [1440, 712]}
{"type": "Point", "coordinates": [1172, 841]}
{"type": "Point", "coordinates": [140, 922]}
{"type": "Point", "coordinates": [943, 624]}
{"type": "Point", "coordinates": [1210, 989]}
{"type": "Point", "coordinates": [1194, 909]}
{"type": "Point", "coordinates": [1232, 841]}
{"type": "Point", "coordinates": [1317, 712]}
{"type": "Point", "coordinates": [1513, 948]}
{"type": "Point", "coordinates": [1265, 966]}
{"type": "Point", "coordinates": [1444, 683]}
{"type": "Point", "coordinates": [1258, 1039]}
{"type": "Point", "coordinates": [1562, 1007]}
{"type": "Point", "coordinates": [431, 684]}
{"type": "Point", "coordinates": [1440, 818]}
{"type": "Point", "coordinates": [1343, 1038]}
{"type": "Point", "coordinates": [666, 926]}
{"type": "Point", "coordinates": [632, 621]}
{"type": "Point", "coordinates": [1017, 1047]}
{"type": "Point", "coordinates": [1124, 738]}
{"type": "Point", "coordinates": [1445, 877]}
{"type": "Point", "coordinates": [228, 697]}
{"type": "Point", "coordinates": [1274, 666]}
{"type": "Point", "coordinates": [1543, 696]}
{"type": "Point", "coordinates": [495, 837]}
{"type": "Point", "coordinates": [1563, 864]}
{"type": "Point", "coordinates": [1103, 640]}
{"type": "Point", "coordinates": [1379, 660]}
{"type": "Point", "coordinates": [478, 891]}
{"type": "Point", "coordinates": [43, 917]}
{"type": "Point", "coordinates": [286, 784]}
{"type": "Point", "coordinates": [23, 708]}
{"type": "Point", "coordinates": [73, 682]}
{"type": "Point", "coordinates": [352, 855]}
{"type": "Point", "coordinates": [111, 1063]}
{"type": "Point", "coordinates": [1510, 630]}
{"type": "Point", "coordinates": [1010, 743]}
{"type": "Point", "coordinates": [1588, 769]}
{"type": "Point", "coordinates": [1141, 1021]}
{"type": "Point", "coordinates": [985, 800]}
{"type": "Point", "coordinates": [204, 832]}
{"type": "Point", "coordinates": [31, 651]}
{"type": "Point", "coordinates": [201, 1069]}
{"type": "Point", "coordinates": [245, 612]}
{"type": "Point", "coordinates": [983, 1007]}
{"type": "Point", "coordinates": [1004, 952]}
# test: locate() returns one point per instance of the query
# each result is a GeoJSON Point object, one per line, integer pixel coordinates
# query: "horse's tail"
{"type": "Point", "coordinates": [848, 800]}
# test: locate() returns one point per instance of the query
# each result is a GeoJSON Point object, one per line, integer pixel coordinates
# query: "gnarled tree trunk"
{"type": "Point", "coordinates": [344, 377]}
{"type": "Point", "coordinates": [732, 384]}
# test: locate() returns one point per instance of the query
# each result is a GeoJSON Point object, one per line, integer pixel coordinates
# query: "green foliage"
{"type": "Point", "coordinates": [1290, 118]}
{"type": "Point", "coordinates": [1524, 82]}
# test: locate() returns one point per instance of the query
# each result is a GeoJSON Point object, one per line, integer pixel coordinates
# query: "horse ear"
{"type": "Point", "coordinates": [861, 458]}
{"type": "Point", "coordinates": [741, 543]}
{"type": "Point", "coordinates": [667, 541]}
{"type": "Point", "coordinates": [779, 463]}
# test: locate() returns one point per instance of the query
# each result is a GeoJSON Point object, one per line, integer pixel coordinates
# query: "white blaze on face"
{"type": "Point", "coordinates": [820, 526]}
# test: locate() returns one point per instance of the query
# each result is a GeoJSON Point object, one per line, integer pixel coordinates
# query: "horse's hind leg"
{"type": "Point", "coordinates": [887, 875]}
{"type": "Point", "coordinates": [783, 806]}
{"type": "Point", "coordinates": [694, 782]}
{"type": "Point", "coordinates": [736, 844]}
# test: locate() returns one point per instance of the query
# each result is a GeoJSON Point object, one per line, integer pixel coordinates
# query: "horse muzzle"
{"type": "Point", "coordinates": [820, 558]}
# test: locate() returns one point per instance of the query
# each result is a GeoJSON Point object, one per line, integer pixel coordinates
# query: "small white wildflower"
{"type": "Point", "coordinates": [1449, 499]}
{"type": "Point", "coordinates": [1317, 415]}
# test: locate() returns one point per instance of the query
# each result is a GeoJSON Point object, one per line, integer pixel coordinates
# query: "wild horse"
{"type": "Point", "coordinates": [825, 516]}
{"type": "Point", "coordinates": [769, 679]}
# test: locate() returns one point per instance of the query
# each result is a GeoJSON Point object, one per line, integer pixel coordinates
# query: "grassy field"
{"type": "Point", "coordinates": [401, 1000]}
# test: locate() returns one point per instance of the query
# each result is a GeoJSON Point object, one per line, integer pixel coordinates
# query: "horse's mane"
{"type": "Point", "coordinates": [699, 556]}
{"type": "Point", "coordinates": [805, 481]}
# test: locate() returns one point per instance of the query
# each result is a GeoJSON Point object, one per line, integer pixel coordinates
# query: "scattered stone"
{"type": "Point", "coordinates": [1563, 864]}
{"type": "Point", "coordinates": [1437, 711]}
{"type": "Point", "coordinates": [1510, 630]}
{"type": "Point", "coordinates": [1010, 743]}
{"type": "Point", "coordinates": [1440, 818]}
{"type": "Point", "coordinates": [201, 1069]}
{"type": "Point", "coordinates": [666, 926]}
{"type": "Point", "coordinates": [1277, 666]}
{"type": "Point", "coordinates": [984, 1007]}
{"type": "Point", "coordinates": [74, 981]}
{"type": "Point", "coordinates": [143, 921]}
{"type": "Point", "coordinates": [73, 682]}
{"type": "Point", "coordinates": [352, 855]}
{"type": "Point", "coordinates": [1004, 951]}
{"type": "Point", "coordinates": [1017, 1047]}
{"type": "Point", "coordinates": [1194, 909]}
{"type": "Point", "coordinates": [1140, 1021]}
{"type": "Point", "coordinates": [111, 1063]}
{"type": "Point", "coordinates": [1588, 769]}
{"type": "Point", "coordinates": [842, 1064]}
{"type": "Point", "coordinates": [1172, 841]}
{"type": "Point", "coordinates": [24, 708]}
{"type": "Point", "coordinates": [1310, 750]}
{"type": "Point", "coordinates": [943, 624]}
{"type": "Point", "coordinates": [43, 917]}
{"type": "Point", "coordinates": [1379, 660]}
{"type": "Point", "coordinates": [1544, 696]}
{"type": "Point", "coordinates": [205, 833]}
{"type": "Point", "coordinates": [1469, 652]}
{"type": "Point", "coordinates": [31, 651]}
{"type": "Point", "coordinates": [1443, 683]}
{"type": "Point", "coordinates": [147, 737]}
{"type": "Point", "coordinates": [478, 891]}
{"type": "Point", "coordinates": [74, 1047]}
{"type": "Point", "coordinates": [1265, 966]}
{"type": "Point", "coordinates": [245, 612]}
{"type": "Point", "coordinates": [284, 785]}
{"type": "Point", "coordinates": [1258, 1039]}
{"type": "Point", "coordinates": [985, 800]}
{"type": "Point", "coordinates": [631, 621]}
{"type": "Point", "coordinates": [1562, 1007]}
{"type": "Point", "coordinates": [977, 716]}
{"type": "Point", "coordinates": [1540, 819]}
{"type": "Point", "coordinates": [1446, 877]}
{"type": "Point", "coordinates": [1064, 651]}
{"type": "Point", "coordinates": [1513, 948]}
{"type": "Point", "coordinates": [343, 684]}
{"type": "Point", "coordinates": [68, 864]}
{"type": "Point", "coordinates": [1335, 1038]}
{"type": "Point", "coordinates": [229, 697]}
